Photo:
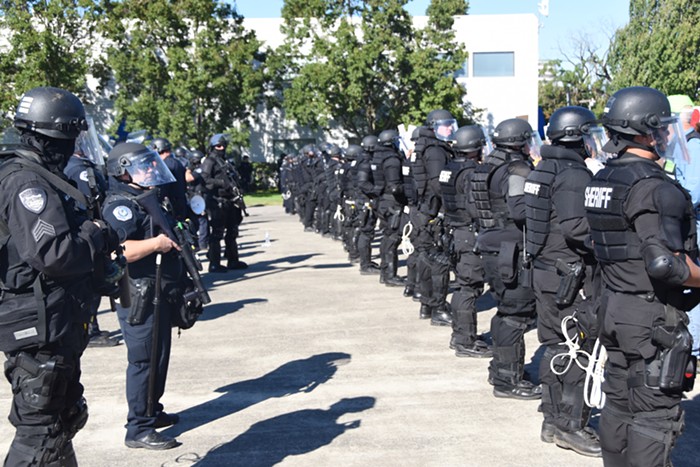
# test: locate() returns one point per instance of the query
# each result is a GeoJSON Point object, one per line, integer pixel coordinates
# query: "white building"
{"type": "Point", "coordinates": [500, 76]}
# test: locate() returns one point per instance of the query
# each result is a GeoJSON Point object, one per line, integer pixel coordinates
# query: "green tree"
{"type": "Point", "coordinates": [49, 44]}
{"type": "Point", "coordinates": [361, 63]}
{"type": "Point", "coordinates": [659, 47]}
{"type": "Point", "coordinates": [185, 69]}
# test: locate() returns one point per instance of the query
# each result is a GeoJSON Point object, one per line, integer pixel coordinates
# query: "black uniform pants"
{"type": "Point", "coordinates": [432, 265]}
{"type": "Point", "coordinates": [470, 285]}
{"type": "Point", "coordinates": [367, 223]}
{"type": "Point", "coordinates": [139, 344]}
{"type": "Point", "coordinates": [515, 312]}
{"type": "Point", "coordinates": [638, 424]}
{"type": "Point", "coordinates": [224, 219]}
{"type": "Point", "coordinates": [46, 422]}
{"type": "Point", "coordinates": [562, 394]}
{"type": "Point", "coordinates": [391, 218]}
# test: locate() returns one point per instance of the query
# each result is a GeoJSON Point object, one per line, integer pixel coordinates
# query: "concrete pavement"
{"type": "Point", "coordinates": [300, 361]}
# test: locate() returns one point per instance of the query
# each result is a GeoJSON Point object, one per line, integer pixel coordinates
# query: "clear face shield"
{"type": "Point", "coordinates": [488, 145]}
{"type": "Point", "coordinates": [149, 170]}
{"type": "Point", "coordinates": [594, 138]}
{"type": "Point", "coordinates": [90, 146]}
{"type": "Point", "coordinates": [534, 144]}
{"type": "Point", "coordinates": [669, 141]}
{"type": "Point", "coordinates": [445, 129]}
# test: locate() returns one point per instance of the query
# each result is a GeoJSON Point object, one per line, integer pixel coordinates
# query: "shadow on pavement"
{"type": "Point", "coordinates": [270, 441]}
{"type": "Point", "coordinates": [217, 310]}
{"type": "Point", "coordinates": [291, 378]}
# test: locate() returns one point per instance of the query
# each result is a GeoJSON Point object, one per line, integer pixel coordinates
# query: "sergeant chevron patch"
{"type": "Point", "coordinates": [42, 228]}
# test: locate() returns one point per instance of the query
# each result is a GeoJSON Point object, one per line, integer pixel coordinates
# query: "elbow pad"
{"type": "Point", "coordinates": [663, 265]}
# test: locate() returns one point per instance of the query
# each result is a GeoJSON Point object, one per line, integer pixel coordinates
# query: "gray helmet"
{"type": "Point", "coordinates": [353, 151]}
{"type": "Point", "coordinates": [369, 143]}
{"type": "Point", "coordinates": [469, 138]}
{"type": "Point", "coordinates": [570, 124]}
{"type": "Point", "coordinates": [52, 112]}
{"type": "Point", "coordinates": [182, 153]}
{"type": "Point", "coordinates": [513, 133]}
{"type": "Point", "coordinates": [160, 145]}
{"type": "Point", "coordinates": [145, 167]}
{"type": "Point", "coordinates": [388, 137]}
{"type": "Point", "coordinates": [637, 111]}
{"type": "Point", "coordinates": [218, 139]}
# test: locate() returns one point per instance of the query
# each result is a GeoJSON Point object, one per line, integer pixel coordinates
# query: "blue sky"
{"type": "Point", "coordinates": [568, 21]}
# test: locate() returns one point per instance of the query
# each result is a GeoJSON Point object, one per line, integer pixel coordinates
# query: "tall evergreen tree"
{"type": "Point", "coordinates": [659, 47]}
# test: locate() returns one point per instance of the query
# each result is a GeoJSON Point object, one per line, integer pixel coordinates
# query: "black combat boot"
{"type": "Point", "coordinates": [409, 290]}
{"type": "Point", "coordinates": [370, 269]}
{"type": "Point", "coordinates": [477, 349]}
{"type": "Point", "coordinates": [524, 390]}
{"type": "Point", "coordinates": [441, 316]}
{"type": "Point", "coordinates": [425, 311]}
{"type": "Point", "coordinates": [584, 441]}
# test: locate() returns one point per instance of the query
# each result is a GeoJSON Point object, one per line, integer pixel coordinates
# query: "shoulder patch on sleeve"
{"type": "Point", "coordinates": [122, 213]}
{"type": "Point", "coordinates": [84, 175]}
{"type": "Point", "coordinates": [34, 199]}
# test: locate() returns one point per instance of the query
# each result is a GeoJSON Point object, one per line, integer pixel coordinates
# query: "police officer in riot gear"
{"type": "Point", "coordinates": [86, 175]}
{"type": "Point", "coordinates": [135, 169]}
{"type": "Point", "coordinates": [643, 230]}
{"type": "Point", "coordinates": [433, 266]}
{"type": "Point", "coordinates": [409, 184]}
{"type": "Point", "coordinates": [175, 192]}
{"type": "Point", "coordinates": [224, 200]}
{"type": "Point", "coordinates": [388, 187]}
{"type": "Point", "coordinates": [366, 200]}
{"type": "Point", "coordinates": [50, 252]}
{"type": "Point", "coordinates": [460, 214]}
{"type": "Point", "coordinates": [498, 189]}
{"type": "Point", "coordinates": [347, 175]}
{"type": "Point", "coordinates": [564, 273]}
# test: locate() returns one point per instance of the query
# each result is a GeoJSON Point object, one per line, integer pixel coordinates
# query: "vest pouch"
{"type": "Point", "coordinates": [508, 262]}
{"type": "Point", "coordinates": [20, 323]}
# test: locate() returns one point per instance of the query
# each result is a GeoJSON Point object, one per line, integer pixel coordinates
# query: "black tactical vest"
{"type": "Point", "coordinates": [492, 213]}
{"type": "Point", "coordinates": [614, 238]}
{"type": "Point", "coordinates": [409, 182]}
{"type": "Point", "coordinates": [454, 198]}
{"type": "Point", "coordinates": [538, 205]}
{"type": "Point", "coordinates": [420, 173]}
{"type": "Point", "coordinates": [378, 171]}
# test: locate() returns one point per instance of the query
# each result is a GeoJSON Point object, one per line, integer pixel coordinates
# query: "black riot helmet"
{"type": "Point", "coordinates": [570, 124]}
{"type": "Point", "coordinates": [443, 124]}
{"type": "Point", "coordinates": [335, 151]}
{"type": "Point", "coordinates": [143, 165]}
{"type": "Point", "coordinates": [353, 152]}
{"type": "Point", "coordinates": [636, 111]}
{"type": "Point", "coordinates": [388, 137]}
{"type": "Point", "coordinates": [416, 133]}
{"type": "Point", "coordinates": [196, 157]}
{"type": "Point", "coordinates": [369, 143]}
{"type": "Point", "coordinates": [512, 133]}
{"type": "Point", "coordinates": [51, 112]}
{"type": "Point", "coordinates": [644, 111]}
{"type": "Point", "coordinates": [469, 138]}
{"type": "Point", "coordinates": [218, 139]}
{"type": "Point", "coordinates": [160, 145]}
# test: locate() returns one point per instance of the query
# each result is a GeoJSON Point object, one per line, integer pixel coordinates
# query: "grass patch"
{"type": "Point", "coordinates": [262, 198]}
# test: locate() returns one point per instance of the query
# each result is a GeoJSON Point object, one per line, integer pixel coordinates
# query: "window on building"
{"type": "Point", "coordinates": [464, 71]}
{"type": "Point", "coordinates": [494, 64]}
